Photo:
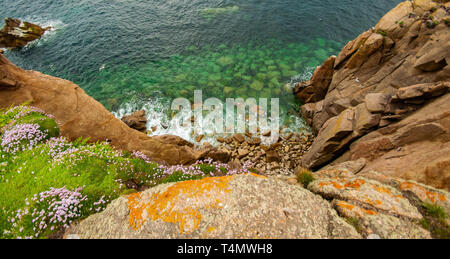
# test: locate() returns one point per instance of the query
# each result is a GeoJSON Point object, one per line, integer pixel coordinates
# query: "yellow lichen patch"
{"type": "Point", "coordinates": [180, 203]}
{"type": "Point", "coordinates": [211, 229]}
{"type": "Point", "coordinates": [423, 193]}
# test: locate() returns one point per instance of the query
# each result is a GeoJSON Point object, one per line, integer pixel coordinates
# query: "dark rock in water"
{"type": "Point", "coordinates": [136, 120]}
{"type": "Point", "coordinates": [17, 34]}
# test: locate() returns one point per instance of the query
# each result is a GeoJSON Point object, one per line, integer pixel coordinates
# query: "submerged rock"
{"type": "Point", "coordinates": [17, 34]}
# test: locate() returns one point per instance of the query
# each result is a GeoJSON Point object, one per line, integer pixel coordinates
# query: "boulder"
{"type": "Point", "coordinates": [377, 102]}
{"type": "Point", "coordinates": [364, 120]}
{"type": "Point", "coordinates": [137, 120]}
{"type": "Point", "coordinates": [427, 90]}
{"type": "Point", "coordinates": [240, 206]}
{"type": "Point", "coordinates": [17, 34]}
{"type": "Point", "coordinates": [331, 138]}
{"type": "Point", "coordinates": [316, 89]}
{"type": "Point", "coordinates": [79, 115]}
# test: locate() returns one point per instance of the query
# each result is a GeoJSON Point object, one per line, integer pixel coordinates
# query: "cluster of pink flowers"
{"type": "Point", "coordinates": [22, 137]}
{"type": "Point", "coordinates": [54, 209]}
{"type": "Point", "coordinates": [58, 145]}
{"type": "Point", "coordinates": [218, 168]}
{"type": "Point", "coordinates": [139, 154]}
{"type": "Point", "coordinates": [21, 111]}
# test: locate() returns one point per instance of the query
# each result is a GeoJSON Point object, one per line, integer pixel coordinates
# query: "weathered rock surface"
{"type": "Point", "coordinates": [137, 120]}
{"type": "Point", "coordinates": [395, 79]}
{"type": "Point", "coordinates": [17, 34]}
{"type": "Point", "coordinates": [241, 206]}
{"type": "Point", "coordinates": [315, 89]}
{"type": "Point", "coordinates": [378, 204]}
{"type": "Point", "coordinates": [79, 115]}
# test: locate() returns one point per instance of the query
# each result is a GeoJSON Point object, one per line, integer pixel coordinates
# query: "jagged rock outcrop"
{"type": "Point", "coordinates": [378, 204]}
{"type": "Point", "coordinates": [79, 115]}
{"type": "Point", "coordinates": [389, 91]}
{"type": "Point", "coordinates": [240, 206]}
{"type": "Point", "coordinates": [137, 120]}
{"type": "Point", "coordinates": [17, 34]}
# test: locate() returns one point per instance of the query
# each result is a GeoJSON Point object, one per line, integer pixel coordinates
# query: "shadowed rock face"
{"type": "Point", "coordinates": [387, 76]}
{"type": "Point", "coordinates": [17, 34]}
{"type": "Point", "coordinates": [79, 115]}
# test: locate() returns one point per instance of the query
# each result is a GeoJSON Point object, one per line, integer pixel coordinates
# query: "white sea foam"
{"type": "Point", "coordinates": [157, 111]}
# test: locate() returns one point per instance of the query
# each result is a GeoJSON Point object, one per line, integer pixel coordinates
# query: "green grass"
{"type": "Point", "coordinates": [435, 220]}
{"type": "Point", "coordinates": [355, 223]}
{"type": "Point", "coordinates": [305, 177]}
{"type": "Point", "coordinates": [101, 171]}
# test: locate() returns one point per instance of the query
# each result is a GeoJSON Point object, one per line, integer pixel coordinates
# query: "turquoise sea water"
{"type": "Point", "coordinates": [130, 54]}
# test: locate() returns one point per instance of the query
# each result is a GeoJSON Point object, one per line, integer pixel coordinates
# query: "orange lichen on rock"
{"type": "Point", "coordinates": [259, 176]}
{"type": "Point", "coordinates": [335, 184]}
{"type": "Point", "coordinates": [345, 205]}
{"type": "Point", "coordinates": [381, 189]}
{"type": "Point", "coordinates": [350, 210]}
{"type": "Point", "coordinates": [356, 184]}
{"type": "Point", "coordinates": [180, 203]}
{"type": "Point", "coordinates": [422, 192]}
{"type": "Point", "coordinates": [340, 183]}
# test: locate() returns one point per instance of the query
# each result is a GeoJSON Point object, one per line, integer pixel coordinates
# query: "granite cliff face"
{"type": "Point", "coordinates": [385, 97]}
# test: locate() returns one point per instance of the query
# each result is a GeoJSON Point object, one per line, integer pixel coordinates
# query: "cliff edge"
{"type": "Point", "coordinates": [384, 100]}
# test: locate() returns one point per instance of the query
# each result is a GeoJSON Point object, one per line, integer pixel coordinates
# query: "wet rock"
{"type": "Point", "coordinates": [17, 34]}
{"type": "Point", "coordinates": [239, 138]}
{"type": "Point", "coordinates": [316, 89]}
{"type": "Point", "coordinates": [199, 138]}
{"type": "Point", "coordinates": [137, 120]}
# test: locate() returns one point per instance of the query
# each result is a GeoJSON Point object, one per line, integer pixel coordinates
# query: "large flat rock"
{"type": "Point", "coordinates": [240, 206]}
